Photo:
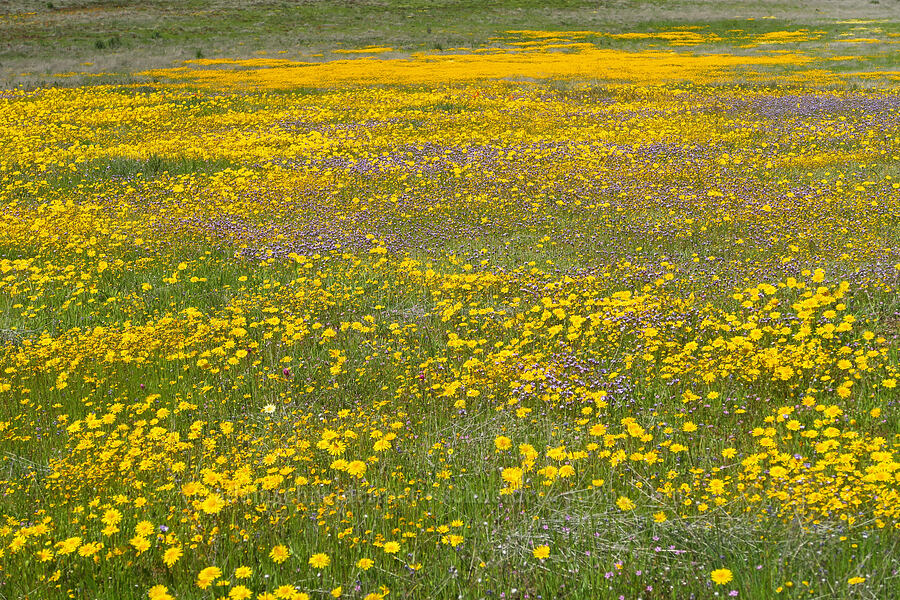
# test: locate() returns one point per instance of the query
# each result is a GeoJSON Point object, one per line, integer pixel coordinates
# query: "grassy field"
{"type": "Point", "coordinates": [454, 300]}
{"type": "Point", "coordinates": [108, 41]}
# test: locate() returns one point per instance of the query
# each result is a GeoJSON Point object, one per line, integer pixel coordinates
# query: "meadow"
{"type": "Point", "coordinates": [564, 313]}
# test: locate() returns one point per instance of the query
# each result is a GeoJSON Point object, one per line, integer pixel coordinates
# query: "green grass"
{"type": "Point", "coordinates": [129, 36]}
{"type": "Point", "coordinates": [772, 557]}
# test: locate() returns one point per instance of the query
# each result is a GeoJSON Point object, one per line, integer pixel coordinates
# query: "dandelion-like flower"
{"type": "Point", "coordinates": [721, 576]}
